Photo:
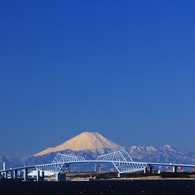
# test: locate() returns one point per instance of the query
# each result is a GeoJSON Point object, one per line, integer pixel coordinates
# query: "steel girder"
{"type": "Point", "coordinates": [121, 160]}
{"type": "Point", "coordinates": [60, 163]}
{"type": "Point", "coordinates": [129, 167]}
{"type": "Point", "coordinates": [67, 158]}
{"type": "Point", "coordinates": [116, 156]}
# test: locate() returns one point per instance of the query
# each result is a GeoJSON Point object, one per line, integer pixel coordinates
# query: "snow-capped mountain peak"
{"type": "Point", "coordinates": [83, 141]}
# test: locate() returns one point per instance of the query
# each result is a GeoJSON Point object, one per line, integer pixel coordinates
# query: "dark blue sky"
{"type": "Point", "coordinates": [124, 69]}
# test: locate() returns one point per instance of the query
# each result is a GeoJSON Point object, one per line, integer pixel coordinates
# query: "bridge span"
{"type": "Point", "coordinates": [121, 160]}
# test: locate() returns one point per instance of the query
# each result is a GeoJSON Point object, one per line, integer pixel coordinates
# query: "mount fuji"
{"type": "Point", "coordinates": [92, 144]}
{"type": "Point", "coordinates": [84, 141]}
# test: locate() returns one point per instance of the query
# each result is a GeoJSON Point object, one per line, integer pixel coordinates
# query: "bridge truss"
{"type": "Point", "coordinates": [121, 160]}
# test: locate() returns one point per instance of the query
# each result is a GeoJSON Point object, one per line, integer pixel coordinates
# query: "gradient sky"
{"type": "Point", "coordinates": [125, 69]}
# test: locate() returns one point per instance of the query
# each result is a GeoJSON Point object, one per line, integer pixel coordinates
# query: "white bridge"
{"type": "Point", "coordinates": [121, 160]}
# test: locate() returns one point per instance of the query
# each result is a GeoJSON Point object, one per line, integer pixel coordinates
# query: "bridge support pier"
{"type": "Point", "coordinates": [61, 177]}
{"type": "Point", "coordinates": [120, 175]}
{"type": "Point", "coordinates": [174, 169]}
{"type": "Point", "coordinates": [6, 175]}
{"type": "Point", "coordinates": [38, 175]}
{"type": "Point", "coordinates": [15, 174]}
{"type": "Point", "coordinates": [25, 174]}
{"type": "Point", "coordinates": [43, 176]}
{"type": "Point", "coordinates": [150, 169]}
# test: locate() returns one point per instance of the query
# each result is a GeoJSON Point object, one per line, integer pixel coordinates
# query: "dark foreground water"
{"type": "Point", "coordinates": [162, 187]}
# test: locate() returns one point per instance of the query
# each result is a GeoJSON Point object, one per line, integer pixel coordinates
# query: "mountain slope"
{"type": "Point", "coordinates": [92, 144]}
{"type": "Point", "coordinates": [84, 141]}
{"type": "Point", "coordinates": [165, 153]}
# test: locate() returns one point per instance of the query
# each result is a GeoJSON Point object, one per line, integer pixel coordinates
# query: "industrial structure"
{"type": "Point", "coordinates": [121, 160]}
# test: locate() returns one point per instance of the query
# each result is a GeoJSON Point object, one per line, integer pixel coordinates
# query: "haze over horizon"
{"type": "Point", "coordinates": [122, 69]}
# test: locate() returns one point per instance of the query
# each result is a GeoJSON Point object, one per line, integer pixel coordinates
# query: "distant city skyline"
{"type": "Point", "coordinates": [122, 69]}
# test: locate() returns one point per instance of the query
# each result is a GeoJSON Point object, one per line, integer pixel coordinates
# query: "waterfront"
{"type": "Point", "coordinates": [125, 187]}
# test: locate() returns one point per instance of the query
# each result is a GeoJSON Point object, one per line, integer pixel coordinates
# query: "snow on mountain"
{"type": "Point", "coordinates": [161, 154]}
{"type": "Point", "coordinates": [92, 144]}
{"type": "Point", "coordinates": [84, 141]}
